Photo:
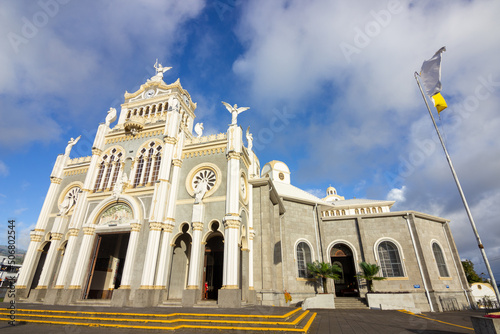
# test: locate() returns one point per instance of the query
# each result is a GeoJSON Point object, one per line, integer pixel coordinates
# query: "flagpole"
{"type": "Point", "coordinates": [469, 214]}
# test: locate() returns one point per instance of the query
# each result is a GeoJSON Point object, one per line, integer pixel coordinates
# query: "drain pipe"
{"type": "Point", "coordinates": [418, 261]}
{"type": "Point", "coordinates": [281, 246]}
{"type": "Point", "coordinates": [320, 251]}
{"type": "Point", "coordinates": [456, 268]}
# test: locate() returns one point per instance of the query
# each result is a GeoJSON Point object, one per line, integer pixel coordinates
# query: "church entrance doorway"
{"type": "Point", "coordinates": [212, 270]}
{"type": "Point", "coordinates": [108, 259]}
{"type": "Point", "coordinates": [347, 284]}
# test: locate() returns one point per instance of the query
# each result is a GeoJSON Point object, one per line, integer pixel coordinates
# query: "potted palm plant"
{"type": "Point", "coordinates": [369, 274]}
{"type": "Point", "coordinates": [324, 270]}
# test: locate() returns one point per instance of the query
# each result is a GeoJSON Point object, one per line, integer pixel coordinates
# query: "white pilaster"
{"type": "Point", "coordinates": [195, 259]}
{"type": "Point", "coordinates": [165, 255]}
{"type": "Point", "coordinates": [232, 220]}
{"type": "Point", "coordinates": [251, 235]}
{"type": "Point", "coordinates": [50, 260]}
{"type": "Point", "coordinates": [148, 274]}
{"type": "Point", "coordinates": [29, 260]}
{"type": "Point", "coordinates": [83, 257]}
{"type": "Point", "coordinates": [70, 248]}
{"type": "Point", "coordinates": [130, 257]}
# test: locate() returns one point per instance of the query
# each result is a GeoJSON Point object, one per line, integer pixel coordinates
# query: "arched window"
{"type": "Point", "coordinates": [438, 255]}
{"type": "Point", "coordinates": [99, 176]}
{"type": "Point", "coordinates": [390, 260]}
{"type": "Point", "coordinates": [116, 171]}
{"type": "Point", "coordinates": [108, 170]}
{"type": "Point", "coordinates": [138, 173]}
{"type": "Point", "coordinates": [156, 168]}
{"type": "Point", "coordinates": [303, 258]}
{"type": "Point", "coordinates": [148, 165]}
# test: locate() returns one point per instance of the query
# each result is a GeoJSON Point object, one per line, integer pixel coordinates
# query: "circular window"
{"type": "Point", "coordinates": [281, 176]}
{"type": "Point", "coordinates": [205, 177]}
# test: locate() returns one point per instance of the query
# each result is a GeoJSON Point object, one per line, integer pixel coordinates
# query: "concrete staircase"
{"type": "Point", "coordinates": [243, 320]}
{"type": "Point", "coordinates": [344, 303]}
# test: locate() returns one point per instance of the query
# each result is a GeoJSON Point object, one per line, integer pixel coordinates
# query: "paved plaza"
{"type": "Point", "coordinates": [324, 322]}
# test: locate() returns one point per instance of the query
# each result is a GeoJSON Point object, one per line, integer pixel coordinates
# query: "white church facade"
{"type": "Point", "coordinates": [159, 215]}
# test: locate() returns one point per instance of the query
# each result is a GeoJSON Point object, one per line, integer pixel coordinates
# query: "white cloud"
{"type": "Point", "coordinates": [372, 124]}
{"type": "Point", "coordinates": [78, 54]}
{"type": "Point", "coordinates": [4, 170]}
{"type": "Point", "coordinates": [320, 193]}
{"type": "Point", "coordinates": [397, 195]}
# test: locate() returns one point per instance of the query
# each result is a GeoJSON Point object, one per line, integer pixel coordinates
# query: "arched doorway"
{"type": "Point", "coordinates": [214, 261]}
{"type": "Point", "coordinates": [107, 264]}
{"type": "Point", "coordinates": [181, 253]}
{"type": "Point", "coordinates": [39, 267]}
{"type": "Point", "coordinates": [347, 284]}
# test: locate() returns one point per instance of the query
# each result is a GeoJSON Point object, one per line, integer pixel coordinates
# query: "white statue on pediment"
{"type": "Point", "coordinates": [70, 145]}
{"type": "Point", "coordinates": [249, 139]}
{"type": "Point", "coordinates": [118, 189]}
{"type": "Point", "coordinates": [159, 71]}
{"type": "Point", "coordinates": [198, 128]}
{"type": "Point", "coordinates": [235, 111]}
{"type": "Point", "coordinates": [173, 103]}
{"type": "Point", "coordinates": [199, 190]}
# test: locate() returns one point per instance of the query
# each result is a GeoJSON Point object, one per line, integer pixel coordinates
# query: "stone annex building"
{"type": "Point", "coordinates": [157, 215]}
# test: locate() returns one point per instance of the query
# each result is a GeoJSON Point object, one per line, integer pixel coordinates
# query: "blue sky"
{"type": "Point", "coordinates": [329, 83]}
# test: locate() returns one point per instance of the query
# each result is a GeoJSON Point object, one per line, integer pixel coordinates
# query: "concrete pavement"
{"type": "Point", "coordinates": [325, 322]}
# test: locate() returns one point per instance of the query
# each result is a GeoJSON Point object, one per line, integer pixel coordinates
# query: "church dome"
{"type": "Point", "coordinates": [277, 171]}
{"type": "Point", "coordinates": [331, 191]}
{"type": "Point", "coordinates": [332, 196]}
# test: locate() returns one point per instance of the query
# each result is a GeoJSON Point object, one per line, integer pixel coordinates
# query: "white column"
{"type": "Point", "coordinates": [251, 235]}
{"type": "Point", "coordinates": [29, 260]}
{"type": "Point", "coordinates": [232, 219]}
{"type": "Point", "coordinates": [165, 255]}
{"type": "Point", "coordinates": [231, 253]}
{"type": "Point", "coordinates": [194, 261]}
{"type": "Point", "coordinates": [148, 274]}
{"type": "Point", "coordinates": [83, 257]}
{"type": "Point", "coordinates": [130, 257]}
{"type": "Point", "coordinates": [50, 199]}
{"type": "Point", "coordinates": [70, 248]}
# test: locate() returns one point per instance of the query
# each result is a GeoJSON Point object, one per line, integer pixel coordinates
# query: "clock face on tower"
{"type": "Point", "coordinates": [149, 93]}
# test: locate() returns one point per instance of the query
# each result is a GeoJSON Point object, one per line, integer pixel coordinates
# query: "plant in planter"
{"type": "Point", "coordinates": [370, 272]}
{"type": "Point", "coordinates": [324, 270]}
{"type": "Point", "coordinates": [288, 297]}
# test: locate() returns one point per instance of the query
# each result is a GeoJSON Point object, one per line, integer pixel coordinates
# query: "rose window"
{"type": "Point", "coordinates": [206, 176]}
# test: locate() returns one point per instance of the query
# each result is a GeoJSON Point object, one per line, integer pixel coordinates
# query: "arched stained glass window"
{"type": "Point", "coordinates": [303, 258]}
{"type": "Point", "coordinates": [390, 260]}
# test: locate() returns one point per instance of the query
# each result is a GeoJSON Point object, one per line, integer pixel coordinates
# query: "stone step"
{"type": "Point", "coordinates": [350, 303]}
{"type": "Point", "coordinates": [227, 321]}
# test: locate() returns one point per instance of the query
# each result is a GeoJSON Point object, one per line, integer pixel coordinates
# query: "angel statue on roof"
{"type": "Point", "coordinates": [235, 111]}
